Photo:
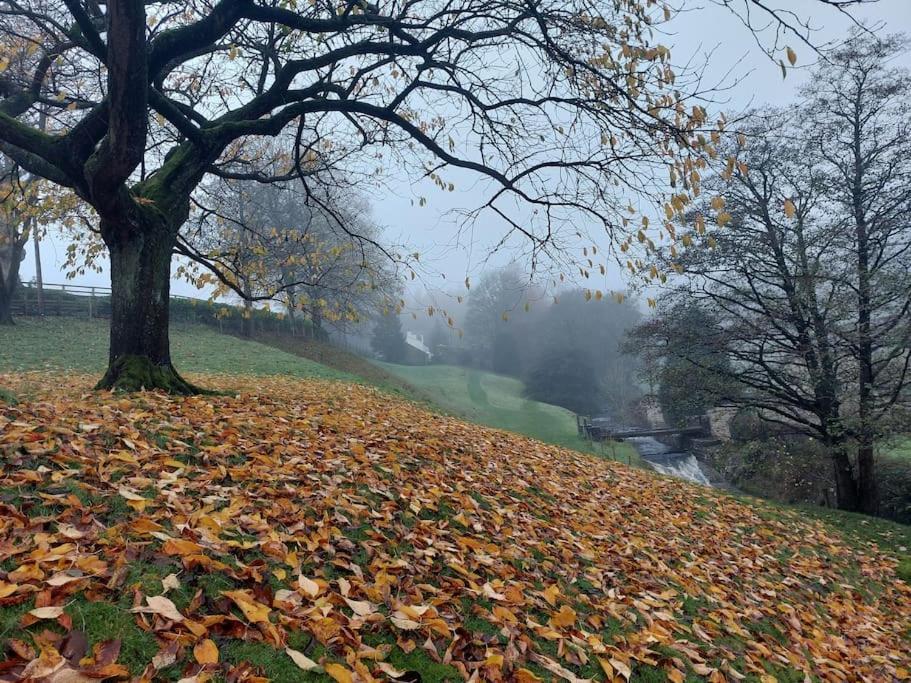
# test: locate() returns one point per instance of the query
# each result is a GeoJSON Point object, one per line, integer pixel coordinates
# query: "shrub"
{"type": "Point", "coordinates": [565, 377]}
{"type": "Point", "coordinates": [894, 478]}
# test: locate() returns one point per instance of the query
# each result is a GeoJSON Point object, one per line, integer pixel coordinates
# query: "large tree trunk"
{"type": "Point", "coordinates": [246, 323]}
{"type": "Point", "coordinates": [140, 353]}
{"type": "Point", "coordinates": [867, 489]}
{"type": "Point", "coordinates": [6, 306]}
{"type": "Point", "coordinates": [316, 322]}
{"type": "Point", "coordinates": [855, 484]}
{"type": "Point", "coordinates": [846, 494]}
{"type": "Point", "coordinates": [868, 496]}
{"type": "Point", "coordinates": [39, 278]}
{"type": "Point", "coordinates": [10, 257]}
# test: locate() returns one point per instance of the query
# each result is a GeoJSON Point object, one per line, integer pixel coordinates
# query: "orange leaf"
{"type": "Point", "coordinates": [564, 618]}
{"type": "Point", "coordinates": [180, 546]}
{"type": "Point", "coordinates": [339, 673]}
{"type": "Point", "coordinates": [206, 652]}
{"type": "Point", "coordinates": [551, 593]}
{"type": "Point", "coordinates": [254, 611]}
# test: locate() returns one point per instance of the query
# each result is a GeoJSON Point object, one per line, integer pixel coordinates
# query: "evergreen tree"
{"type": "Point", "coordinates": [565, 377]}
{"type": "Point", "coordinates": [388, 339]}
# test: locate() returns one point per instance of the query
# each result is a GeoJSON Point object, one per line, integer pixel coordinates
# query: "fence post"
{"type": "Point", "coordinates": [92, 304]}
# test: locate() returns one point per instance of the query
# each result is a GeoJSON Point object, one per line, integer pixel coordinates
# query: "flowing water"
{"type": "Point", "coordinates": [668, 461]}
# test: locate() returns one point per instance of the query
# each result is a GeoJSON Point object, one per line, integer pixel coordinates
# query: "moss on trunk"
{"type": "Point", "coordinates": [139, 373]}
{"type": "Point", "coordinates": [140, 246]}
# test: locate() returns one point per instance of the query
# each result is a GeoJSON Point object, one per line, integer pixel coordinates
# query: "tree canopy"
{"type": "Point", "coordinates": [567, 110]}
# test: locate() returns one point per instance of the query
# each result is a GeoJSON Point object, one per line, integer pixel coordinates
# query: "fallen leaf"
{"type": "Point", "coordinates": [389, 670]}
{"type": "Point", "coordinates": [162, 606]}
{"type": "Point", "coordinates": [308, 586]}
{"type": "Point", "coordinates": [339, 673]}
{"type": "Point", "coordinates": [360, 607]}
{"type": "Point", "coordinates": [551, 593]}
{"type": "Point", "coordinates": [301, 660]}
{"type": "Point", "coordinates": [254, 611]}
{"type": "Point", "coordinates": [170, 582]}
{"type": "Point", "coordinates": [205, 652]}
{"type": "Point", "coordinates": [46, 612]}
{"type": "Point", "coordinates": [564, 618]}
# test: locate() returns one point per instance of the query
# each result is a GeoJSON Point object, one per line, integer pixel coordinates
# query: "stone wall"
{"type": "Point", "coordinates": [720, 421]}
{"type": "Point", "coordinates": [653, 412]}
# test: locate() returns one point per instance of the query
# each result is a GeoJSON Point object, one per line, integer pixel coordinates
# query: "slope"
{"type": "Point", "coordinates": [56, 344]}
{"type": "Point", "coordinates": [498, 401]}
{"type": "Point", "coordinates": [60, 344]}
{"type": "Point", "coordinates": [314, 530]}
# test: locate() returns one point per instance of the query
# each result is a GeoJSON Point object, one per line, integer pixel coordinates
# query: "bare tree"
{"type": "Point", "coordinates": [809, 280]}
{"type": "Point", "coordinates": [858, 119]}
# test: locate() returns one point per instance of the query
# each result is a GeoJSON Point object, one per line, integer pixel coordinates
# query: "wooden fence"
{"type": "Point", "coordinates": [85, 301]}
{"type": "Point", "coordinates": [70, 300]}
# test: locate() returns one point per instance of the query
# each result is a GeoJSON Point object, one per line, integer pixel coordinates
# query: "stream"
{"type": "Point", "coordinates": [680, 464]}
{"type": "Point", "coordinates": [664, 459]}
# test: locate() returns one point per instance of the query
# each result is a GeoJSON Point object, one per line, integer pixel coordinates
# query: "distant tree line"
{"type": "Point", "coordinates": [565, 348]}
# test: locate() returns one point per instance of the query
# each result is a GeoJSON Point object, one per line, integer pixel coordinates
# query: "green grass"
{"type": "Point", "coordinates": [82, 345]}
{"type": "Point", "coordinates": [344, 361]}
{"type": "Point", "coordinates": [275, 664]}
{"type": "Point", "coordinates": [498, 401]}
{"type": "Point", "coordinates": [890, 536]}
{"type": "Point", "coordinates": [904, 570]}
{"type": "Point", "coordinates": [899, 447]}
{"type": "Point", "coordinates": [7, 397]}
{"type": "Point", "coordinates": [102, 621]}
{"type": "Point", "coordinates": [72, 344]}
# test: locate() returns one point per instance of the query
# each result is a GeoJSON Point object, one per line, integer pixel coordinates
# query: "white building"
{"type": "Point", "coordinates": [416, 347]}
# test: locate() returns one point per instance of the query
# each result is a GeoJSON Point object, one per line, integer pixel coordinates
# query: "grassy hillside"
{"type": "Point", "coordinates": [82, 345]}
{"type": "Point", "coordinates": [314, 530]}
{"type": "Point", "coordinates": [59, 344]}
{"type": "Point", "coordinates": [341, 360]}
{"type": "Point", "coordinates": [498, 401]}
{"type": "Point", "coordinates": [899, 447]}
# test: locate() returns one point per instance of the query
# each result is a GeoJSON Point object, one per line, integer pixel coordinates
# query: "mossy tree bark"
{"type": "Point", "coordinates": [140, 249]}
{"type": "Point", "coordinates": [6, 310]}
{"type": "Point", "coordinates": [9, 279]}
{"type": "Point", "coordinates": [846, 493]}
{"type": "Point", "coordinates": [867, 488]}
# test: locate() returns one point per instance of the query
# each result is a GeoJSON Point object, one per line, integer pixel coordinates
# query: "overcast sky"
{"type": "Point", "coordinates": [448, 249]}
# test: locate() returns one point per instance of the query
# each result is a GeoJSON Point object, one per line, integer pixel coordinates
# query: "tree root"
{"type": "Point", "coordinates": [139, 373]}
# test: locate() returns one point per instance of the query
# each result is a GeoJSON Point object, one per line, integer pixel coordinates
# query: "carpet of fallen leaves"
{"type": "Point", "coordinates": [359, 526]}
